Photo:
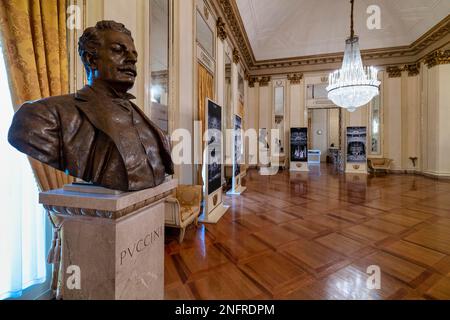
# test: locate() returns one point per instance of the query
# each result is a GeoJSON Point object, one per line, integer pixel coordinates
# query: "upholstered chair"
{"type": "Point", "coordinates": [183, 208]}
{"type": "Point", "coordinates": [379, 164]}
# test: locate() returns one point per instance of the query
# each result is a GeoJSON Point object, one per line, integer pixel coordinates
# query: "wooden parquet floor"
{"type": "Point", "coordinates": [313, 236]}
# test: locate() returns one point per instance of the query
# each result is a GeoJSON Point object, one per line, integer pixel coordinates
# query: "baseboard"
{"type": "Point", "coordinates": [428, 174]}
{"type": "Point", "coordinates": [436, 176]}
{"type": "Point", "coordinates": [403, 171]}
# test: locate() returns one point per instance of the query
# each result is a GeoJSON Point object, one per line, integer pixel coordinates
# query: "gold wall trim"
{"type": "Point", "coordinates": [396, 71]}
{"type": "Point", "coordinates": [412, 69]}
{"type": "Point", "coordinates": [437, 57]}
{"type": "Point", "coordinates": [251, 81]}
{"type": "Point", "coordinates": [236, 56]}
{"type": "Point", "coordinates": [264, 81]}
{"type": "Point", "coordinates": [221, 32]}
{"type": "Point", "coordinates": [295, 78]}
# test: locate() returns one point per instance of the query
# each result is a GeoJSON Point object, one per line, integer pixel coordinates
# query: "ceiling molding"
{"type": "Point", "coordinates": [229, 11]}
{"type": "Point", "coordinates": [234, 21]}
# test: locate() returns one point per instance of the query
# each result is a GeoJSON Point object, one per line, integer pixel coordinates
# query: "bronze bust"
{"type": "Point", "coordinates": [97, 134]}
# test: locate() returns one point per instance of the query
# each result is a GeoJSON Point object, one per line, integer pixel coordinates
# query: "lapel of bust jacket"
{"type": "Point", "coordinates": [119, 132]}
{"type": "Point", "coordinates": [166, 150]}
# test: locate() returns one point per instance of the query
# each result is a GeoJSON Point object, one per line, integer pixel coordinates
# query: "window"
{"type": "Point", "coordinates": [23, 221]}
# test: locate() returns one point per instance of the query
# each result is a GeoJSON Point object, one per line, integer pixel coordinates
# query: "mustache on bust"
{"type": "Point", "coordinates": [128, 68]}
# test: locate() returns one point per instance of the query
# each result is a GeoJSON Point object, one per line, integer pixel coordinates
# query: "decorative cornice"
{"type": "Point", "coordinates": [295, 78]}
{"type": "Point", "coordinates": [221, 32]}
{"type": "Point", "coordinates": [264, 81]}
{"type": "Point", "coordinates": [234, 21]}
{"type": "Point", "coordinates": [437, 57]}
{"type": "Point", "coordinates": [434, 34]}
{"type": "Point", "coordinates": [236, 56]}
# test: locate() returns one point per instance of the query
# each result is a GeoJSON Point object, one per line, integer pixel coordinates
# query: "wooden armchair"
{"type": "Point", "coordinates": [184, 208]}
{"type": "Point", "coordinates": [383, 164]}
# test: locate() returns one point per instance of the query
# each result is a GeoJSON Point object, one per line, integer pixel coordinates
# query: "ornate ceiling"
{"type": "Point", "coordinates": [297, 34]}
{"type": "Point", "coordinates": [294, 28]}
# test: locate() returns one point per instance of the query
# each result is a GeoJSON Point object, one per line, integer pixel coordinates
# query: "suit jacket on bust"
{"type": "Point", "coordinates": [90, 137]}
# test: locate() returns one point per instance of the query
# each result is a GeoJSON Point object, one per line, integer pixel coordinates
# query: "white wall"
{"type": "Point", "coordinates": [333, 127]}
{"type": "Point", "coordinates": [444, 119]}
{"type": "Point", "coordinates": [392, 105]}
{"type": "Point", "coordinates": [296, 105]}
{"type": "Point", "coordinates": [436, 114]}
{"type": "Point", "coordinates": [319, 123]}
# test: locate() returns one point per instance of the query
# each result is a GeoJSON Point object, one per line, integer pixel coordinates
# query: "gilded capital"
{"type": "Point", "coordinates": [413, 69]}
{"type": "Point", "coordinates": [295, 78]}
{"type": "Point", "coordinates": [437, 57]}
{"type": "Point", "coordinates": [251, 81]}
{"type": "Point", "coordinates": [221, 33]}
{"type": "Point", "coordinates": [236, 56]}
{"type": "Point", "coordinates": [394, 71]}
{"type": "Point", "coordinates": [264, 81]}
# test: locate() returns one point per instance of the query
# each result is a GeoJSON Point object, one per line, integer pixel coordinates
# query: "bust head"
{"type": "Point", "coordinates": [109, 55]}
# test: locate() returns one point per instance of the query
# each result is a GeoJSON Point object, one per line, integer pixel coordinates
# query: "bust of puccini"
{"type": "Point", "coordinates": [97, 134]}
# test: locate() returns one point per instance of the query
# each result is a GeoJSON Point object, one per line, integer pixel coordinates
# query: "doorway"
{"type": "Point", "coordinates": [324, 133]}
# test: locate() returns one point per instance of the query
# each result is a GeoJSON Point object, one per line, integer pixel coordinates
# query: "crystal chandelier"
{"type": "Point", "coordinates": [353, 85]}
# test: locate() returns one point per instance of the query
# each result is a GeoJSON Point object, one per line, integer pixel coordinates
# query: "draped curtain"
{"type": "Point", "coordinates": [34, 42]}
{"type": "Point", "coordinates": [205, 90]}
{"type": "Point", "coordinates": [33, 33]}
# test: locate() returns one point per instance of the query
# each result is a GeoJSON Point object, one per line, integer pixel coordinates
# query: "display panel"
{"type": "Point", "coordinates": [299, 144]}
{"type": "Point", "coordinates": [356, 144]}
{"type": "Point", "coordinates": [214, 147]}
{"type": "Point", "coordinates": [237, 145]}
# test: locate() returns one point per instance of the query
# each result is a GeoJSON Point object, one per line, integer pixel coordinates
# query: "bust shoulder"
{"type": "Point", "coordinates": [47, 110]}
{"type": "Point", "coordinates": [50, 102]}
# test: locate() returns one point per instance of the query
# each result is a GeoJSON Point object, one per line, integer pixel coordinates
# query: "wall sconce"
{"type": "Point", "coordinates": [413, 159]}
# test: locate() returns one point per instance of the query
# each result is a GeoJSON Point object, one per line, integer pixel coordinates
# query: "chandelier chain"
{"type": "Point", "coordinates": [352, 30]}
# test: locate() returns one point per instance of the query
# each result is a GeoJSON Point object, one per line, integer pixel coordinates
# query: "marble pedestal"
{"type": "Point", "coordinates": [115, 241]}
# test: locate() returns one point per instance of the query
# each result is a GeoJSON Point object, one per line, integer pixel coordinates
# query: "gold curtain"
{"type": "Point", "coordinates": [205, 90]}
{"type": "Point", "coordinates": [34, 41]}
